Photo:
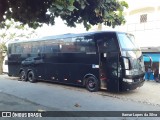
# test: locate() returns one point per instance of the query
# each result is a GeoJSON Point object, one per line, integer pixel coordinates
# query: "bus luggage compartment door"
{"type": "Point", "coordinates": [112, 60]}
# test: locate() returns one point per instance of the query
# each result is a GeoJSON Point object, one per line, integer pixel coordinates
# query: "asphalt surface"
{"type": "Point", "coordinates": [24, 96]}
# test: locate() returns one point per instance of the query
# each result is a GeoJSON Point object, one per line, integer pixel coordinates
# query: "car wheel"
{"type": "Point", "coordinates": [92, 84]}
{"type": "Point", "coordinates": [23, 76]}
{"type": "Point", "coordinates": [31, 77]}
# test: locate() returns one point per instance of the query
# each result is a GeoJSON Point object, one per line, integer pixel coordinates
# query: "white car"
{"type": "Point", "coordinates": [5, 65]}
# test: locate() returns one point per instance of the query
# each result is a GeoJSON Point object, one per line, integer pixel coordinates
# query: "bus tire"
{"type": "Point", "coordinates": [31, 77]}
{"type": "Point", "coordinates": [92, 84]}
{"type": "Point", "coordinates": [23, 76]}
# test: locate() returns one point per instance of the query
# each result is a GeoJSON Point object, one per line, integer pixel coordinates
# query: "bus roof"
{"type": "Point", "coordinates": [62, 36]}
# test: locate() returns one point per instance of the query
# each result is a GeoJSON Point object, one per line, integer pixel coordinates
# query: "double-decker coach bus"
{"type": "Point", "coordinates": [97, 60]}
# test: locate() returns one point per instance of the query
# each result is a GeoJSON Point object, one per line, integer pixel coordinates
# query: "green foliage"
{"type": "Point", "coordinates": [11, 30]}
{"type": "Point", "coordinates": [89, 12]}
{"type": "Point", "coordinates": [3, 47]}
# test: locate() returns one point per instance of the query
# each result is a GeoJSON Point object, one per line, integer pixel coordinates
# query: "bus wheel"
{"type": "Point", "coordinates": [31, 77]}
{"type": "Point", "coordinates": [23, 76]}
{"type": "Point", "coordinates": [92, 84]}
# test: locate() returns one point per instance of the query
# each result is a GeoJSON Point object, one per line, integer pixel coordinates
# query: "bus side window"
{"type": "Point", "coordinates": [51, 46]}
{"type": "Point", "coordinates": [13, 49]}
{"type": "Point", "coordinates": [85, 44]}
{"type": "Point", "coordinates": [101, 46]}
{"type": "Point", "coordinates": [9, 49]}
{"type": "Point", "coordinates": [68, 46]}
{"type": "Point", "coordinates": [18, 49]}
{"type": "Point", "coordinates": [107, 45]}
{"type": "Point", "coordinates": [110, 45]}
{"type": "Point", "coordinates": [26, 48]}
{"type": "Point", "coordinates": [90, 45]}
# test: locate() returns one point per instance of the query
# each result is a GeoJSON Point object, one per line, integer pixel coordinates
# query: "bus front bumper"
{"type": "Point", "coordinates": [131, 84]}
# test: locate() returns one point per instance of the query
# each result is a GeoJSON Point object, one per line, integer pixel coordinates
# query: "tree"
{"type": "Point", "coordinates": [89, 12]}
{"type": "Point", "coordinates": [3, 48]}
{"type": "Point", "coordinates": [11, 30]}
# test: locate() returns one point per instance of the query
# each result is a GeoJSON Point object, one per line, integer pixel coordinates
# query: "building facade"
{"type": "Point", "coordinates": [143, 20]}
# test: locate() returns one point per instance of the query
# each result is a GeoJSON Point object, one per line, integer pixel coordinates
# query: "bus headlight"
{"type": "Point", "coordinates": [126, 63]}
{"type": "Point", "coordinates": [132, 72]}
{"type": "Point", "coordinates": [127, 80]}
{"type": "Point", "coordinates": [128, 72]}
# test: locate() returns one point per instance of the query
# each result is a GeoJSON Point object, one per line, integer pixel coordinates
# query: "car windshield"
{"type": "Point", "coordinates": [127, 41]}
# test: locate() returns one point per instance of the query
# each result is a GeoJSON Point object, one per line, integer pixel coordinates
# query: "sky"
{"type": "Point", "coordinates": [59, 28]}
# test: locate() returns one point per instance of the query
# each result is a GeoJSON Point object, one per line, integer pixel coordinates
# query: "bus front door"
{"type": "Point", "coordinates": [109, 60]}
{"type": "Point", "coordinates": [112, 71]}
{"type": "Point", "coordinates": [109, 71]}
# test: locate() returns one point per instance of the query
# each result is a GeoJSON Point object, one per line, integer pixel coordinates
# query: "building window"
{"type": "Point", "coordinates": [143, 18]}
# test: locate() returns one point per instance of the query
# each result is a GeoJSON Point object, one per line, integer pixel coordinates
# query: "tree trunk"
{"type": "Point", "coordinates": [99, 27]}
{"type": "Point", "coordinates": [1, 62]}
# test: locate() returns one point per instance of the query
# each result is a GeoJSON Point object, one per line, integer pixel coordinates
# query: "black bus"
{"type": "Point", "coordinates": [97, 60]}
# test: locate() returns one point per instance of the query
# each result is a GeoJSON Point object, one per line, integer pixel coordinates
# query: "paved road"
{"type": "Point", "coordinates": [18, 95]}
{"type": "Point", "coordinates": [149, 93]}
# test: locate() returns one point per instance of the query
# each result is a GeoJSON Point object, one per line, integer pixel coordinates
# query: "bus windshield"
{"type": "Point", "coordinates": [127, 41]}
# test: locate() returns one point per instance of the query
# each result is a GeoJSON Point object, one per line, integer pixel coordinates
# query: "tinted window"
{"type": "Point", "coordinates": [107, 42]}
{"type": "Point", "coordinates": [51, 46]}
{"type": "Point", "coordinates": [127, 41]}
{"type": "Point", "coordinates": [27, 48]}
{"type": "Point", "coordinates": [85, 44]}
{"type": "Point", "coordinates": [16, 48]}
{"type": "Point", "coordinates": [35, 47]}
{"type": "Point", "coordinates": [12, 49]}
{"type": "Point", "coordinates": [78, 44]}
{"type": "Point", "coordinates": [67, 45]}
